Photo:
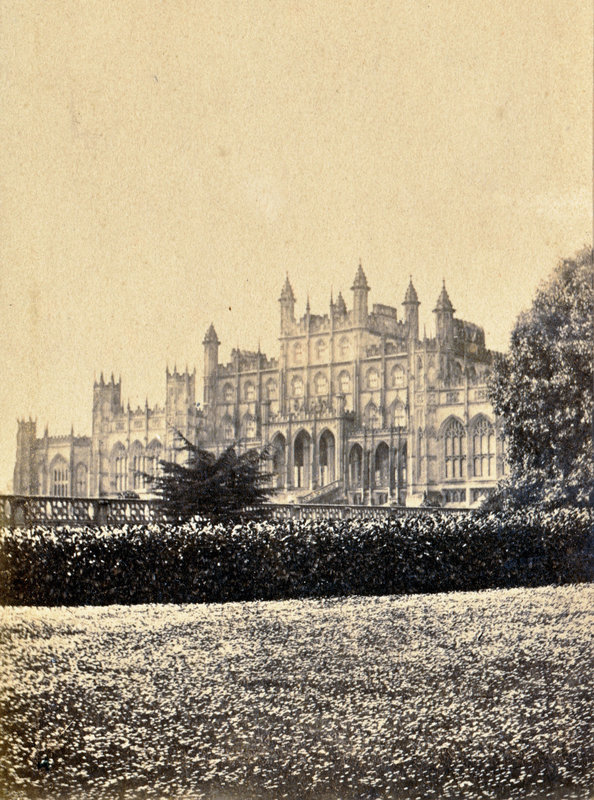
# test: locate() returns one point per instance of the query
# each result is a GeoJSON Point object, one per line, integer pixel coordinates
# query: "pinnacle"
{"type": "Point", "coordinates": [211, 335]}
{"type": "Point", "coordinates": [360, 279]}
{"type": "Point", "coordinates": [287, 291]}
{"type": "Point", "coordinates": [443, 302]}
{"type": "Point", "coordinates": [411, 294]}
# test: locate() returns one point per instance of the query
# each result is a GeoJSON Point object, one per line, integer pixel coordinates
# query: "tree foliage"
{"type": "Point", "coordinates": [542, 390]}
{"type": "Point", "coordinates": [218, 487]}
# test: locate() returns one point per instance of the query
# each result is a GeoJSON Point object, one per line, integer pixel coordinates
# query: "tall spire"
{"type": "Point", "coordinates": [360, 281]}
{"type": "Point", "coordinates": [211, 335]}
{"type": "Point", "coordinates": [287, 306]}
{"type": "Point", "coordinates": [287, 291]}
{"type": "Point", "coordinates": [360, 290]}
{"type": "Point", "coordinates": [411, 294]}
{"type": "Point", "coordinates": [443, 301]}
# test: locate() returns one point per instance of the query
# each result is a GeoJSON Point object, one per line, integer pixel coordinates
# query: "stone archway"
{"type": "Point", "coordinates": [382, 465]}
{"type": "Point", "coordinates": [326, 450]}
{"type": "Point", "coordinates": [400, 472]}
{"type": "Point", "coordinates": [279, 461]}
{"type": "Point", "coordinates": [302, 460]}
{"type": "Point", "coordinates": [356, 466]}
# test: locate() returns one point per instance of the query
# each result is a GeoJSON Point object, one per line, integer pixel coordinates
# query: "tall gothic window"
{"type": "Point", "coordinates": [372, 416]}
{"type": "Point", "coordinates": [271, 389]}
{"type": "Point", "coordinates": [228, 393]}
{"type": "Point", "coordinates": [321, 384]}
{"type": "Point", "coordinates": [321, 350]}
{"type": "Point", "coordinates": [121, 471]}
{"type": "Point", "coordinates": [81, 480]}
{"type": "Point", "coordinates": [60, 476]}
{"type": "Point", "coordinates": [153, 456]}
{"type": "Point", "coordinates": [399, 415]}
{"type": "Point", "coordinates": [454, 449]}
{"type": "Point", "coordinates": [504, 464]}
{"type": "Point", "coordinates": [227, 427]}
{"type": "Point", "coordinates": [344, 382]}
{"type": "Point", "coordinates": [250, 427]}
{"type": "Point", "coordinates": [483, 448]}
{"type": "Point", "coordinates": [250, 392]}
{"type": "Point", "coordinates": [138, 470]}
{"type": "Point", "coordinates": [298, 352]}
{"type": "Point", "coordinates": [397, 375]}
{"type": "Point", "coordinates": [373, 379]}
{"type": "Point", "coordinates": [297, 386]}
{"type": "Point", "coordinates": [344, 347]}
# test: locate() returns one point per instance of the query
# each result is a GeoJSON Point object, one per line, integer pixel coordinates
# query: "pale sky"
{"type": "Point", "coordinates": [164, 164]}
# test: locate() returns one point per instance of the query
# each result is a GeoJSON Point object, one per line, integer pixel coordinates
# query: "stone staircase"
{"type": "Point", "coordinates": [328, 494]}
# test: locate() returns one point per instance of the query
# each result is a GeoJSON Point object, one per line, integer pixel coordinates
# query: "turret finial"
{"type": "Point", "coordinates": [360, 281]}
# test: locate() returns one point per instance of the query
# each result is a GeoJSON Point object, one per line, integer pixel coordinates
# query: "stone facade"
{"type": "Point", "coordinates": [357, 407]}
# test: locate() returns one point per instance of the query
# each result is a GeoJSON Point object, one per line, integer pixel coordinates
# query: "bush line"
{"type": "Point", "coordinates": [205, 562]}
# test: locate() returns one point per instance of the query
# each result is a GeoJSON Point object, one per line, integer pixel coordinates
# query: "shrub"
{"type": "Point", "coordinates": [201, 561]}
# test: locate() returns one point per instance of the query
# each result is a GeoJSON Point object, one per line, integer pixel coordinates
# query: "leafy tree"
{"type": "Point", "coordinates": [218, 487]}
{"type": "Point", "coordinates": [542, 390]}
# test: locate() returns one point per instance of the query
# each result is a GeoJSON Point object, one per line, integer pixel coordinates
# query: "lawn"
{"type": "Point", "coordinates": [486, 694]}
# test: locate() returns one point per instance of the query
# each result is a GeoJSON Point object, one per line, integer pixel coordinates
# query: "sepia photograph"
{"type": "Point", "coordinates": [296, 437]}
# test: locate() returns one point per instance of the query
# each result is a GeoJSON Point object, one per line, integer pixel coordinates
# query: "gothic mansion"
{"type": "Point", "coordinates": [356, 408]}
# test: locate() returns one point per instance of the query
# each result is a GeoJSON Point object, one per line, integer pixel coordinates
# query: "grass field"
{"type": "Point", "coordinates": [470, 695]}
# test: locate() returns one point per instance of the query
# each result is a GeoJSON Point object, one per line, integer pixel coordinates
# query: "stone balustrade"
{"type": "Point", "coordinates": [21, 510]}
{"type": "Point", "coordinates": [49, 510]}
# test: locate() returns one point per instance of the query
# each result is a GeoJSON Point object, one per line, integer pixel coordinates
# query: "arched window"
{"type": "Point", "coordinates": [321, 350]}
{"type": "Point", "coordinates": [373, 379]}
{"type": "Point", "coordinates": [249, 391]}
{"type": "Point", "coordinates": [81, 480]}
{"type": "Point", "coordinates": [228, 393]}
{"type": "Point", "coordinates": [454, 449]}
{"type": "Point", "coordinates": [372, 416]}
{"type": "Point", "coordinates": [504, 464]}
{"type": "Point", "coordinates": [397, 376]}
{"type": "Point", "coordinates": [298, 352]}
{"type": "Point", "coordinates": [297, 386]}
{"type": "Point", "coordinates": [153, 456]}
{"type": "Point", "coordinates": [227, 427]}
{"type": "Point", "coordinates": [483, 448]}
{"type": "Point", "coordinates": [399, 415]}
{"type": "Point", "coordinates": [138, 468]}
{"type": "Point", "coordinates": [250, 426]}
{"type": "Point", "coordinates": [60, 477]}
{"type": "Point", "coordinates": [120, 469]}
{"type": "Point", "coordinates": [321, 384]}
{"type": "Point", "coordinates": [344, 347]}
{"type": "Point", "coordinates": [271, 389]}
{"type": "Point", "coordinates": [355, 466]}
{"type": "Point", "coordinates": [344, 382]}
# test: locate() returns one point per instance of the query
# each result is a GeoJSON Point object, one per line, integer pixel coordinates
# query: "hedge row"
{"type": "Point", "coordinates": [203, 562]}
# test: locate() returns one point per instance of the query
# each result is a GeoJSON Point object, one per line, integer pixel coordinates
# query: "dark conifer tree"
{"type": "Point", "coordinates": [217, 487]}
